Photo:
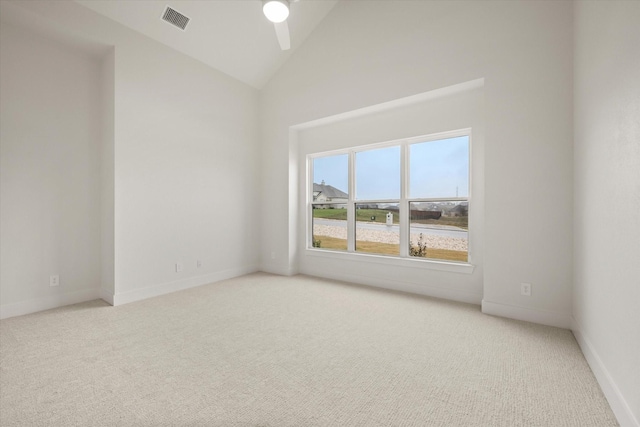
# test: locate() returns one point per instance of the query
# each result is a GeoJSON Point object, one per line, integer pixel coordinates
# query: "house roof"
{"type": "Point", "coordinates": [329, 191]}
{"type": "Point", "coordinates": [462, 207]}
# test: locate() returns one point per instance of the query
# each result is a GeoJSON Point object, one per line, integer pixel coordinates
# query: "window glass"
{"type": "Point", "coordinates": [439, 230]}
{"type": "Point", "coordinates": [331, 178]}
{"type": "Point", "coordinates": [439, 169]}
{"type": "Point", "coordinates": [432, 218]}
{"type": "Point", "coordinates": [377, 228]}
{"type": "Point", "coordinates": [378, 174]}
{"type": "Point", "coordinates": [329, 227]}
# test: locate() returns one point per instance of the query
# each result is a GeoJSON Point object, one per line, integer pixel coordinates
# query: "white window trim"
{"type": "Point", "coordinates": [404, 259]}
{"type": "Point", "coordinates": [409, 262]}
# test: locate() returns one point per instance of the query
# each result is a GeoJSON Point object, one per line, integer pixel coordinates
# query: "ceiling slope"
{"type": "Point", "coordinates": [231, 36]}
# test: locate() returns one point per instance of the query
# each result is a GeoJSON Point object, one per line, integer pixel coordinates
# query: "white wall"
{"type": "Point", "coordinates": [367, 53]}
{"type": "Point", "coordinates": [107, 207]}
{"type": "Point", "coordinates": [186, 171]}
{"type": "Point", "coordinates": [183, 182]}
{"type": "Point", "coordinates": [606, 293]}
{"type": "Point", "coordinates": [50, 172]}
{"type": "Point", "coordinates": [456, 108]}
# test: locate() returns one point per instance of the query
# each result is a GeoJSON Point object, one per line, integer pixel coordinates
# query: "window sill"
{"type": "Point", "coordinates": [452, 267]}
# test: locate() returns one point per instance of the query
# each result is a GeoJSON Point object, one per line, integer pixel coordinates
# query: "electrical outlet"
{"type": "Point", "coordinates": [179, 267]}
{"type": "Point", "coordinates": [525, 289]}
{"type": "Point", "coordinates": [273, 255]}
{"type": "Point", "coordinates": [199, 263]}
{"type": "Point", "coordinates": [54, 280]}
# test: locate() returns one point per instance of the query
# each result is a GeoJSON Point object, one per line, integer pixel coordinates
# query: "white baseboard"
{"type": "Point", "coordinates": [542, 317]}
{"type": "Point", "coordinates": [278, 269]}
{"type": "Point", "coordinates": [179, 285]}
{"type": "Point", "coordinates": [106, 296]}
{"type": "Point", "coordinates": [398, 285]}
{"type": "Point", "coordinates": [616, 400]}
{"type": "Point", "coordinates": [48, 302]}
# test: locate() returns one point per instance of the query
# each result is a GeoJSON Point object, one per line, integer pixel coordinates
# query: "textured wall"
{"type": "Point", "coordinates": [182, 184]}
{"type": "Point", "coordinates": [606, 294]}
{"type": "Point", "coordinates": [50, 169]}
{"type": "Point", "coordinates": [367, 53]}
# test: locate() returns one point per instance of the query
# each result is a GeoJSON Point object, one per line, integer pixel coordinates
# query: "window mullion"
{"type": "Point", "coordinates": [403, 209]}
{"type": "Point", "coordinates": [309, 199]}
{"type": "Point", "coordinates": [351, 207]}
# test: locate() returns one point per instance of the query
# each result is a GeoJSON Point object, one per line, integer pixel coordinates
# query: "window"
{"type": "Point", "coordinates": [377, 181]}
{"type": "Point", "coordinates": [407, 198]}
{"type": "Point", "coordinates": [330, 200]}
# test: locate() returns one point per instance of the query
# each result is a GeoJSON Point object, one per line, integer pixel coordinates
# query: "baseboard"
{"type": "Point", "coordinates": [106, 296]}
{"type": "Point", "coordinates": [398, 285]}
{"type": "Point", "coordinates": [48, 302]}
{"type": "Point", "coordinates": [278, 269]}
{"type": "Point", "coordinates": [542, 317]}
{"type": "Point", "coordinates": [179, 285]}
{"type": "Point", "coordinates": [611, 391]}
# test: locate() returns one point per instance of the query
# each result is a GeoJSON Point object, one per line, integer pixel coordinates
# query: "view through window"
{"type": "Point", "coordinates": [408, 198]}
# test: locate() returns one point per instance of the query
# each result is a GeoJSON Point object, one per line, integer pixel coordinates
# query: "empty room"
{"type": "Point", "coordinates": [320, 213]}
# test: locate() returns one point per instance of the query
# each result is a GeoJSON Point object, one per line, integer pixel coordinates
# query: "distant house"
{"type": "Point", "coordinates": [459, 210]}
{"type": "Point", "coordinates": [323, 193]}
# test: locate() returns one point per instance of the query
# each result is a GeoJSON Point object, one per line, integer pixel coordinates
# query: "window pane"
{"type": "Point", "coordinates": [439, 168]}
{"type": "Point", "coordinates": [378, 174]}
{"type": "Point", "coordinates": [377, 228]}
{"type": "Point", "coordinates": [331, 179]}
{"type": "Point", "coordinates": [330, 227]}
{"type": "Point", "coordinates": [439, 230]}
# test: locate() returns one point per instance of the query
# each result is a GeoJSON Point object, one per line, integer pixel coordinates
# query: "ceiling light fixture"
{"type": "Point", "coordinates": [276, 11]}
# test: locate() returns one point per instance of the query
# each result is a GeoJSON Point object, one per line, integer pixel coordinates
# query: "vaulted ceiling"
{"type": "Point", "coordinates": [232, 36]}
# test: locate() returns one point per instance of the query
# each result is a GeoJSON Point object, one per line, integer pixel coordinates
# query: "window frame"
{"type": "Point", "coordinates": [403, 203]}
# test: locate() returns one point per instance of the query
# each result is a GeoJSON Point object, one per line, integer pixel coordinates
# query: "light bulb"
{"type": "Point", "coordinates": [276, 10]}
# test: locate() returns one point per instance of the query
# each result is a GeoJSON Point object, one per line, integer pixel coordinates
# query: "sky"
{"type": "Point", "coordinates": [437, 169]}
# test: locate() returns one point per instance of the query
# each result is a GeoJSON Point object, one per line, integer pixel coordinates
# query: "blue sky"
{"type": "Point", "coordinates": [333, 170]}
{"type": "Point", "coordinates": [437, 169]}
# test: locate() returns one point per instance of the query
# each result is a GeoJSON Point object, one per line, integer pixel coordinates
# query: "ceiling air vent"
{"type": "Point", "coordinates": [175, 18]}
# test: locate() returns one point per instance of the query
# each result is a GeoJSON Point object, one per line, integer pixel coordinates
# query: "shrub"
{"type": "Point", "coordinates": [420, 250]}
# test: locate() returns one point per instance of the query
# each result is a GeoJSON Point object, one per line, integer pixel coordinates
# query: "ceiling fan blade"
{"type": "Point", "coordinates": [282, 32]}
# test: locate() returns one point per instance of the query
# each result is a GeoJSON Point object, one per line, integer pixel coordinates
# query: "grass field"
{"type": "Point", "coordinates": [381, 217]}
{"type": "Point", "coordinates": [387, 249]}
{"type": "Point", "coordinates": [361, 214]}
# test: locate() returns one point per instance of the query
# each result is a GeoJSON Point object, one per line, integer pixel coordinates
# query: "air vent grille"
{"type": "Point", "coordinates": [175, 18]}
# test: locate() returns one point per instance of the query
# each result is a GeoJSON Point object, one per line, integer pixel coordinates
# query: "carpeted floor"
{"type": "Point", "coordinates": [264, 350]}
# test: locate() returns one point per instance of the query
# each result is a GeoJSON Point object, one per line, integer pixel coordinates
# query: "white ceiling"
{"type": "Point", "coordinates": [232, 36]}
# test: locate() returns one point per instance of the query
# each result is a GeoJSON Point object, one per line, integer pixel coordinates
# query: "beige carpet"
{"type": "Point", "coordinates": [263, 350]}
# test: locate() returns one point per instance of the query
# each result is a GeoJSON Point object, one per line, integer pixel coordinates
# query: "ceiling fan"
{"type": "Point", "coordinates": [277, 11]}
